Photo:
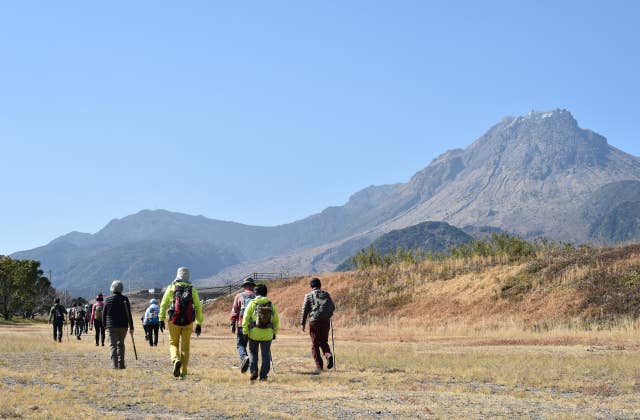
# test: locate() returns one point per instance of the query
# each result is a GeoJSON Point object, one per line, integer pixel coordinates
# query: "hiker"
{"type": "Point", "coordinates": [72, 319]}
{"type": "Point", "coordinates": [182, 301]}
{"type": "Point", "coordinates": [56, 315]}
{"type": "Point", "coordinates": [151, 322]}
{"type": "Point", "coordinates": [96, 318]}
{"type": "Point", "coordinates": [87, 311]}
{"type": "Point", "coordinates": [79, 315]}
{"type": "Point", "coordinates": [318, 307]}
{"type": "Point", "coordinates": [260, 325]}
{"type": "Point", "coordinates": [117, 318]}
{"type": "Point", "coordinates": [240, 302]}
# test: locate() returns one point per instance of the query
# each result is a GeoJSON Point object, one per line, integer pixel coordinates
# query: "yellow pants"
{"type": "Point", "coordinates": [179, 340]}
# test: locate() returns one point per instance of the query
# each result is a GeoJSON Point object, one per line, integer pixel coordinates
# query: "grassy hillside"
{"type": "Point", "coordinates": [555, 287]}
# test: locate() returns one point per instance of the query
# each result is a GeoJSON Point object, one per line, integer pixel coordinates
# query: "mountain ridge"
{"type": "Point", "coordinates": [531, 175]}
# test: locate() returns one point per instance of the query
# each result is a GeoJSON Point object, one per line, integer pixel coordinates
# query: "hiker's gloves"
{"type": "Point", "coordinates": [162, 326]}
{"type": "Point", "coordinates": [198, 330]}
{"type": "Point", "coordinates": [233, 328]}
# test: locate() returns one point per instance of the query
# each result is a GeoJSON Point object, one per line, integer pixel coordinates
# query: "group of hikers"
{"type": "Point", "coordinates": [254, 320]}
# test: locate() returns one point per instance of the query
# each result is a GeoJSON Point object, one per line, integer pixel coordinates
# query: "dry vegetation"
{"type": "Point", "coordinates": [553, 336]}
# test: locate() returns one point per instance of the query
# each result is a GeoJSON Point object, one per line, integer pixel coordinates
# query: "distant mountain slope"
{"type": "Point", "coordinates": [141, 264]}
{"type": "Point", "coordinates": [430, 237]}
{"type": "Point", "coordinates": [532, 175]}
{"type": "Point", "coordinates": [426, 236]}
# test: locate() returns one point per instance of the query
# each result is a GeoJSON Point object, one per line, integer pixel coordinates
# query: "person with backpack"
{"type": "Point", "coordinates": [72, 319]}
{"type": "Point", "coordinates": [151, 322]}
{"type": "Point", "coordinates": [184, 308]}
{"type": "Point", "coordinates": [117, 318]}
{"type": "Point", "coordinates": [260, 325]}
{"type": "Point", "coordinates": [56, 315]}
{"type": "Point", "coordinates": [87, 316]}
{"type": "Point", "coordinates": [96, 318]}
{"type": "Point", "coordinates": [240, 302]}
{"type": "Point", "coordinates": [318, 307]}
{"type": "Point", "coordinates": [79, 315]}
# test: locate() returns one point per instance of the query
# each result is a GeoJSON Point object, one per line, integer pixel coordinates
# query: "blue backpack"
{"type": "Point", "coordinates": [245, 302]}
{"type": "Point", "coordinates": [153, 316]}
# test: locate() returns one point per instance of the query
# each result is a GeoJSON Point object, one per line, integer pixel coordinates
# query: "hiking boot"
{"type": "Point", "coordinates": [330, 362]}
{"type": "Point", "coordinates": [263, 379]}
{"type": "Point", "coordinates": [177, 364]}
{"type": "Point", "coordinates": [59, 340]}
{"type": "Point", "coordinates": [244, 365]}
{"type": "Point", "coordinates": [254, 376]}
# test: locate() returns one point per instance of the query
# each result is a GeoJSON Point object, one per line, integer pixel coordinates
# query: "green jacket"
{"type": "Point", "coordinates": [250, 317]}
{"type": "Point", "coordinates": [167, 300]}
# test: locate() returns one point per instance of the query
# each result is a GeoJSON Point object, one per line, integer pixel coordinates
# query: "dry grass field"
{"type": "Point", "coordinates": [473, 339]}
{"type": "Point", "coordinates": [543, 375]}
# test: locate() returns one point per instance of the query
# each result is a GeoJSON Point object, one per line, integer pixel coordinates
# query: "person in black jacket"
{"type": "Point", "coordinates": [56, 314]}
{"type": "Point", "coordinates": [117, 318]}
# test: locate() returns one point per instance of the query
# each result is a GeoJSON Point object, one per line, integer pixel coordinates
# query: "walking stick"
{"type": "Point", "coordinates": [273, 365]}
{"type": "Point", "coordinates": [333, 345]}
{"type": "Point", "coordinates": [135, 352]}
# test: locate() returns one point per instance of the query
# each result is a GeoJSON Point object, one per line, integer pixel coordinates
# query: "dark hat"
{"type": "Point", "coordinates": [315, 282]}
{"type": "Point", "coordinates": [248, 282]}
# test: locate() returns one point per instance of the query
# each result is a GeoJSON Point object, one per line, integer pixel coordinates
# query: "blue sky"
{"type": "Point", "coordinates": [267, 112]}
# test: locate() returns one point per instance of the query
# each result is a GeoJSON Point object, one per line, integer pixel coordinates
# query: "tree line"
{"type": "Point", "coordinates": [24, 290]}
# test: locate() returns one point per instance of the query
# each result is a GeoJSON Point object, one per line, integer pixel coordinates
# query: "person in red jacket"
{"type": "Point", "coordinates": [240, 302]}
{"type": "Point", "coordinates": [96, 318]}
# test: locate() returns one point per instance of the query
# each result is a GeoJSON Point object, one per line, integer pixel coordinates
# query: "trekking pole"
{"type": "Point", "coordinates": [273, 365]}
{"type": "Point", "coordinates": [135, 352]}
{"type": "Point", "coordinates": [333, 345]}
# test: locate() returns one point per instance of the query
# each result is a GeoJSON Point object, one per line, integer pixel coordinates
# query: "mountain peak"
{"type": "Point", "coordinates": [557, 118]}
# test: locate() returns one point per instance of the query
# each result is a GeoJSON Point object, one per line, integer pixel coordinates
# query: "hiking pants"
{"type": "Point", "coordinates": [265, 354]}
{"type": "Point", "coordinates": [79, 328]}
{"type": "Point", "coordinates": [86, 325]}
{"type": "Point", "coordinates": [97, 325]}
{"type": "Point", "coordinates": [319, 333]}
{"type": "Point", "coordinates": [57, 330]}
{"type": "Point", "coordinates": [179, 341]}
{"type": "Point", "coordinates": [116, 342]}
{"type": "Point", "coordinates": [152, 331]}
{"type": "Point", "coordinates": [242, 344]}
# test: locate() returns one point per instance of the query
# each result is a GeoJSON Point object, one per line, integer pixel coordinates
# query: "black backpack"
{"type": "Point", "coordinates": [182, 311]}
{"type": "Point", "coordinates": [263, 315]}
{"type": "Point", "coordinates": [58, 313]}
{"type": "Point", "coordinates": [322, 306]}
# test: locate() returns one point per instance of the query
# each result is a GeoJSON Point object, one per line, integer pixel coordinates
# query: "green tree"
{"type": "Point", "coordinates": [19, 281]}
